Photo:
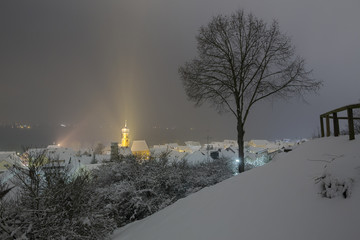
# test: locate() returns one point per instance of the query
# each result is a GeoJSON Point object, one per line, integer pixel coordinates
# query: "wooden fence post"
{"type": "Point", "coordinates": [328, 126]}
{"type": "Point", "coordinates": [334, 115]}
{"type": "Point", "coordinates": [336, 125]}
{"type": "Point", "coordinates": [351, 124]}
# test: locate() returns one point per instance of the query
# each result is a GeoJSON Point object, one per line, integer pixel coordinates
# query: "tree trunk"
{"type": "Point", "coordinates": [240, 140]}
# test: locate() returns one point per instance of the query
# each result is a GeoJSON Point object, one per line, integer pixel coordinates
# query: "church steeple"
{"type": "Point", "coordinates": [125, 136]}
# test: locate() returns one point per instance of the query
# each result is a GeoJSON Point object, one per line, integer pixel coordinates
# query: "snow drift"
{"type": "Point", "coordinates": [293, 197]}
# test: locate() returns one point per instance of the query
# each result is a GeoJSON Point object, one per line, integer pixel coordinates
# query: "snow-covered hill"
{"type": "Point", "coordinates": [281, 200]}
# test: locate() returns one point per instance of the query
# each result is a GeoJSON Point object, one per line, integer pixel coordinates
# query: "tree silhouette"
{"type": "Point", "coordinates": [242, 60]}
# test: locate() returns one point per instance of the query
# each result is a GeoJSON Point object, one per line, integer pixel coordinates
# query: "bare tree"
{"type": "Point", "coordinates": [242, 60]}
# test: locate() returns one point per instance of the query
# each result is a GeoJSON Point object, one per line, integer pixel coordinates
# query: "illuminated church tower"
{"type": "Point", "coordinates": [125, 136]}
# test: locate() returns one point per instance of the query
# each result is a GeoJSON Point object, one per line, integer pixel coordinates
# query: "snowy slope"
{"type": "Point", "coordinates": [277, 201]}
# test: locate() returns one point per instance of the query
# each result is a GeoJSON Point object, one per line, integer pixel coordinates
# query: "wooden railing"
{"type": "Point", "coordinates": [333, 115]}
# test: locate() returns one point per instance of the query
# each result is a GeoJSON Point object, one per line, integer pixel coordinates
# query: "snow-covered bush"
{"type": "Point", "coordinates": [5, 228]}
{"type": "Point", "coordinates": [209, 173]}
{"type": "Point", "coordinates": [56, 203]}
{"type": "Point", "coordinates": [130, 190]}
{"type": "Point", "coordinates": [124, 203]}
{"type": "Point", "coordinates": [53, 203]}
{"type": "Point", "coordinates": [332, 186]}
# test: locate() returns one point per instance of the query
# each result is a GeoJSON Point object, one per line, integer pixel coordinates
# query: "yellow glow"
{"type": "Point", "coordinates": [142, 155]}
{"type": "Point", "coordinates": [125, 136]}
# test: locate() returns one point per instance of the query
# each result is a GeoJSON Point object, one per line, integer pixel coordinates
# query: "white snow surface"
{"type": "Point", "coordinates": [279, 200]}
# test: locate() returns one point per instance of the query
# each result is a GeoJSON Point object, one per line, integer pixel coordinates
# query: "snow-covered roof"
{"type": "Point", "coordinates": [183, 149]}
{"type": "Point", "coordinates": [230, 142]}
{"type": "Point", "coordinates": [53, 146]}
{"type": "Point", "coordinates": [8, 159]}
{"type": "Point", "coordinates": [197, 157]}
{"type": "Point", "coordinates": [251, 149]}
{"type": "Point", "coordinates": [229, 153]}
{"type": "Point", "coordinates": [6, 155]}
{"type": "Point", "coordinates": [139, 146]}
{"type": "Point", "coordinates": [173, 155]}
{"type": "Point", "coordinates": [259, 143]}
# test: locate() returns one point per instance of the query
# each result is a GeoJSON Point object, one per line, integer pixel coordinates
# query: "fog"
{"type": "Point", "coordinates": [92, 65]}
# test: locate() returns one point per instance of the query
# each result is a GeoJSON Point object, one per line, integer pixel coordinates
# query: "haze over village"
{"type": "Point", "coordinates": [182, 120]}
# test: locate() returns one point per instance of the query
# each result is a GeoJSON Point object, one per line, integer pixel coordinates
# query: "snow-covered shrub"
{"type": "Point", "coordinates": [124, 203]}
{"type": "Point", "coordinates": [11, 220]}
{"type": "Point", "coordinates": [259, 161]}
{"type": "Point", "coordinates": [130, 190]}
{"type": "Point", "coordinates": [54, 204]}
{"type": "Point", "coordinates": [332, 187]}
{"type": "Point", "coordinates": [6, 229]}
{"type": "Point", "coordinates": [209, 173]}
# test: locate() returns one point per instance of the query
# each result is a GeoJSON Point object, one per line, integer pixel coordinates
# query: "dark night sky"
{"type": "Point", "coordinates": [101, 62]}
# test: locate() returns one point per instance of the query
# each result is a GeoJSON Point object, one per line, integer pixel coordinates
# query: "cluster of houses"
{"type": "Point", "coordinates": [257, 153]}
{"type": "Point", "coordinates": [193, 152]}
